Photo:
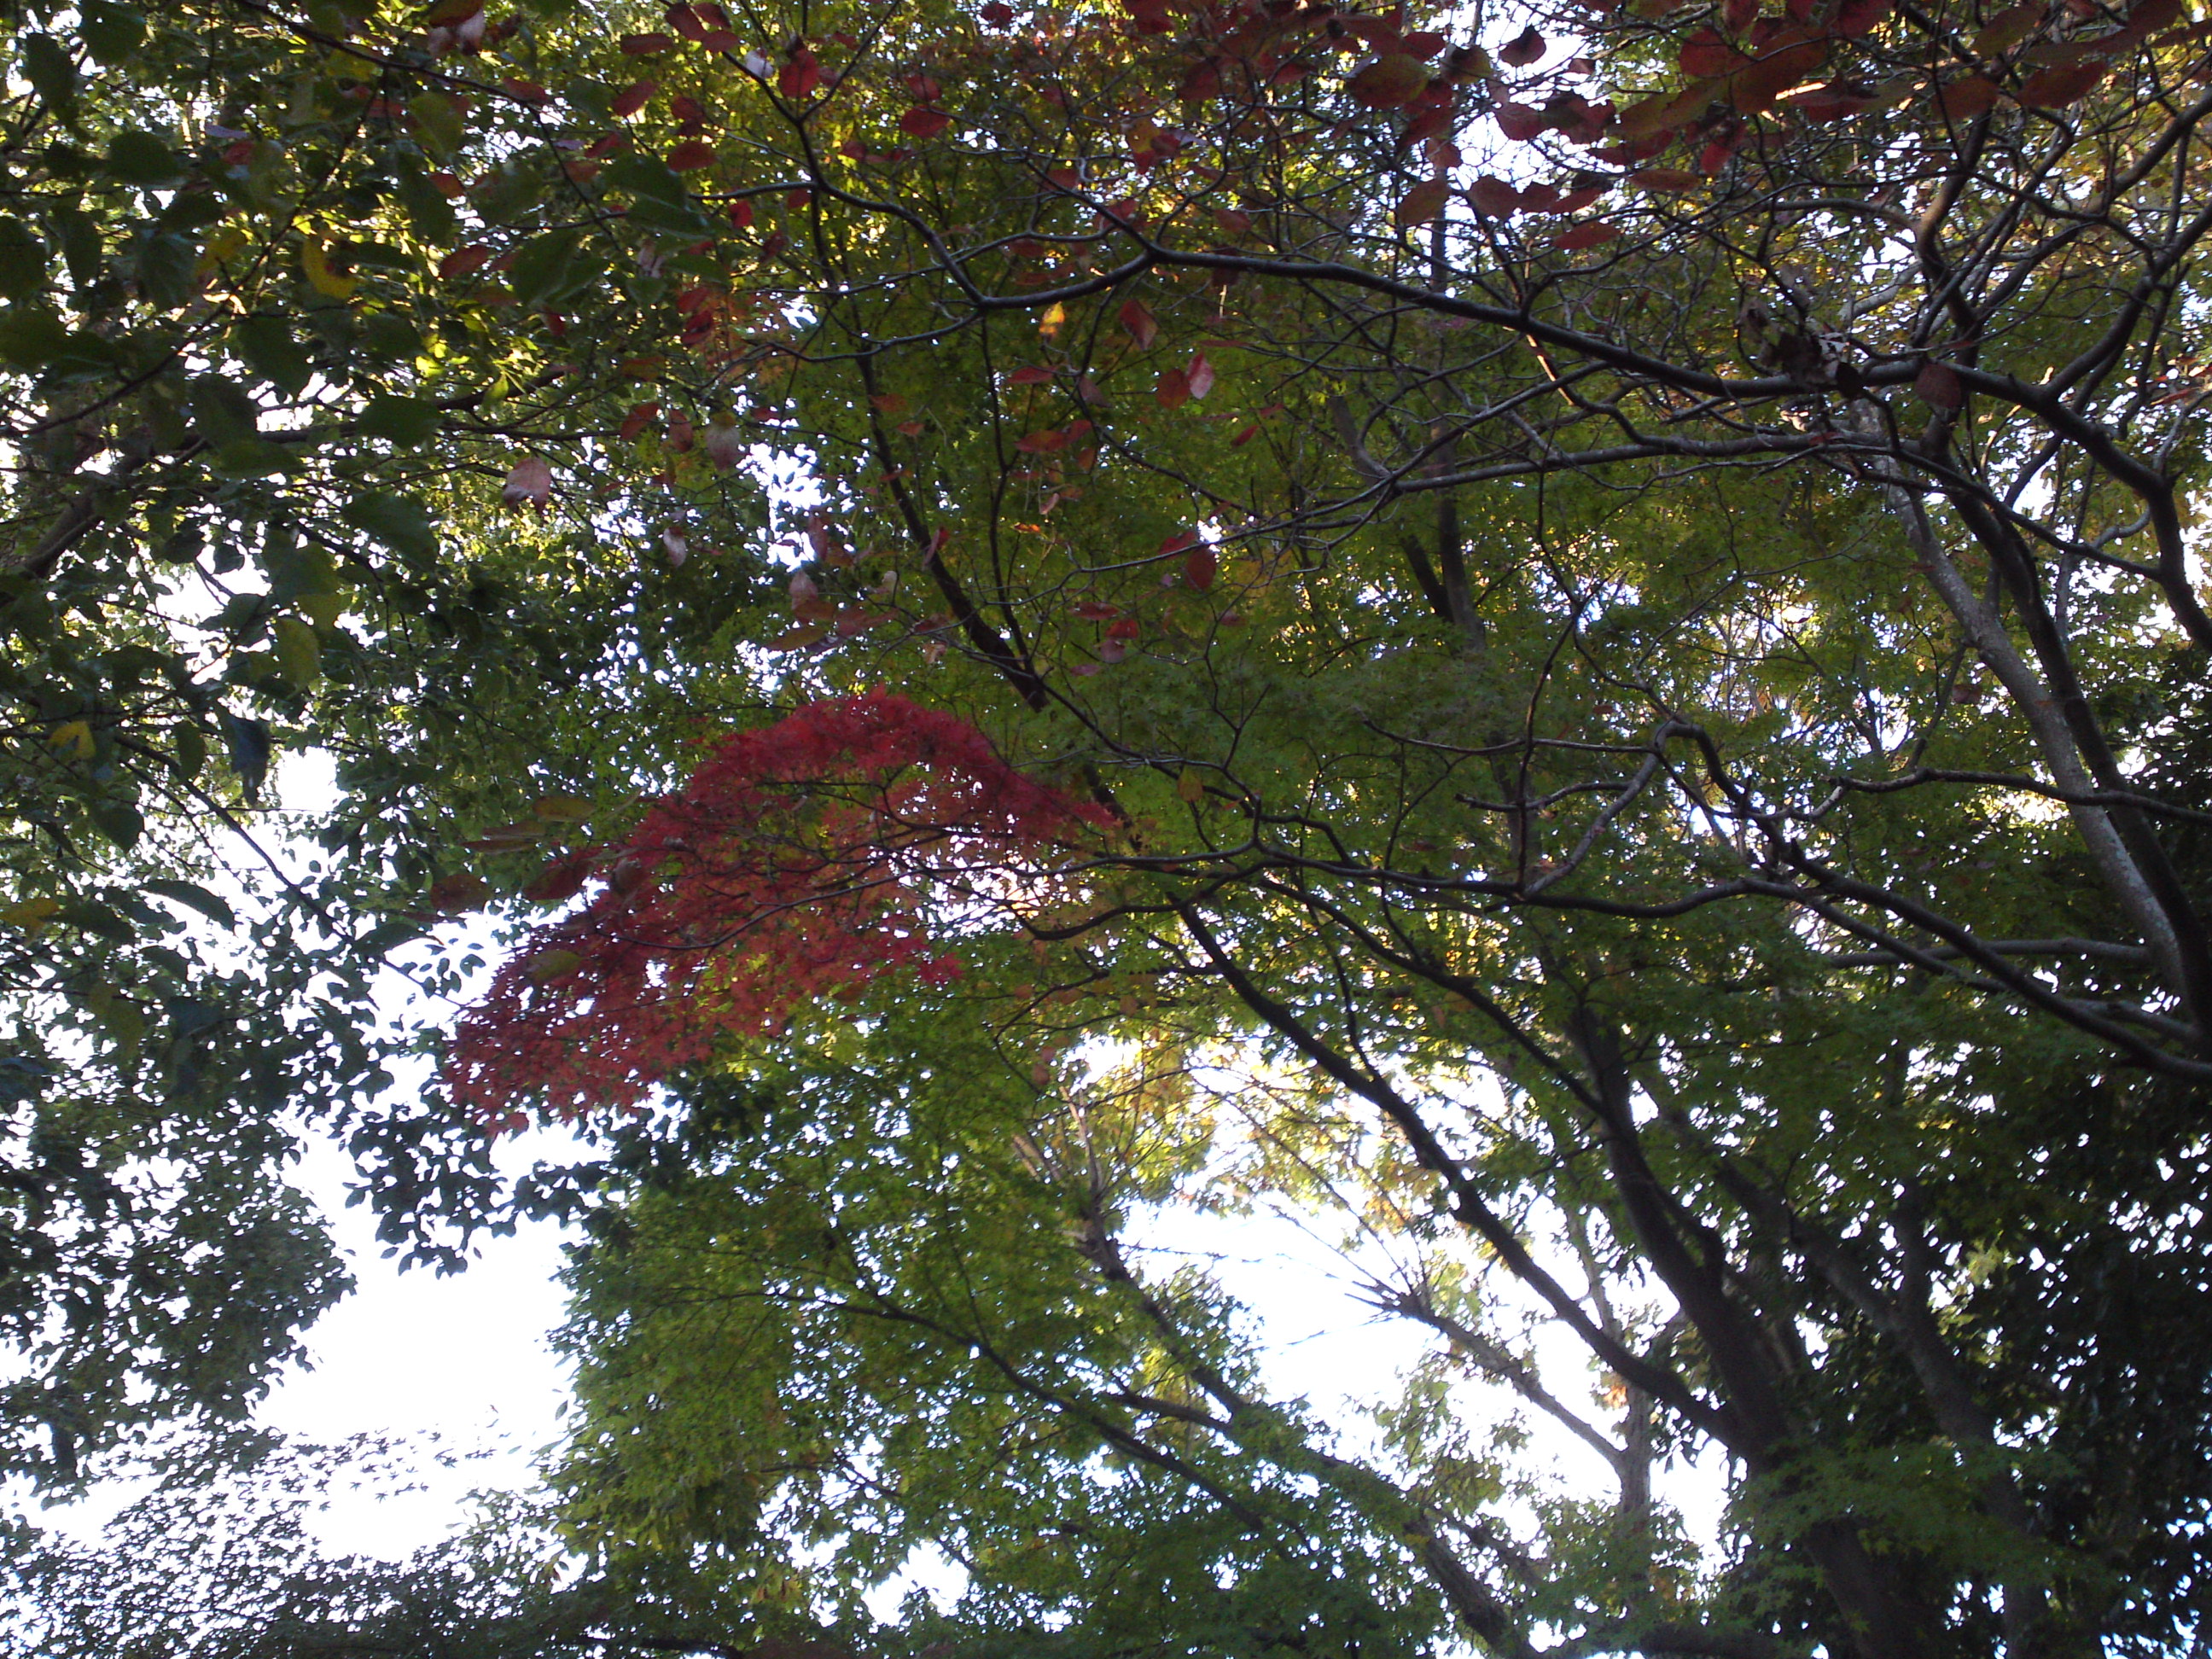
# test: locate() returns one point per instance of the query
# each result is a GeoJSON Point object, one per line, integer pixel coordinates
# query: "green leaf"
{"type": "Point", "coordinates": [22, 260]}
{"type": "Point", "coordinates": [169, 273]}
{"type": "Point", "coordinates": [299, 653]}
{"type": "Point", "coordinates": [659, 200]}
{"type": "Point", "coordinates": [31, 336]}
{"type": "Point", "coordinates": [550, 270]}
{"type": "Point", "coordinates": [142, 158]}
{"type": "Point", "coordinates": [398, 522]}
{"type": "Point", "coordinates": [111, 33]}
{"type": "Point", "coordinates": [51, 72]}
{"type": "Point", "coordinates": [223, 409]}
{"type": "Point", "coordinates": [273, 352]}
{"type": "Point", "coordinates": [405, 421]}
{"type": "Point", "coordinates": [438, 122]}
{"type": "Point", "coordinates": [193, 897]}
{"type": "Point", "coordinates": [119, 821]}
{"type": "Point", "coordinates": [248, 742]}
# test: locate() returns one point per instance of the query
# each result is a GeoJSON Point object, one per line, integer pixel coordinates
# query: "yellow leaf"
{"type": "Point", "coordinates": [32, 913]}
{"type": "Point", "coordinates": [1053, 321]}
{"type": "Point", "coordinates": [299, 653]}
{"type": "Point", "coordinates": [315, 260]}
{"type": "Point", "coordinates": [75, 736]}
{"type": "Point", "coordinates": [563, 808]}
{"type": "Point", "coordinates": [224, 245]}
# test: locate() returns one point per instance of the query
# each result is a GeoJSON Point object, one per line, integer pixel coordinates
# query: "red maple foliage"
{"type": "Point", "coordinates": [796, 863]}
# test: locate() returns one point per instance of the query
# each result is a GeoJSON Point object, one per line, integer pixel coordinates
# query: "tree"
{"type": "Point", "coordinates": [1657, 682]}
{"type": "Point", "coordinates": [1624, 706]}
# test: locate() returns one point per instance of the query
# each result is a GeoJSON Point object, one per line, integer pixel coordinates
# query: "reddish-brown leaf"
{"type": "Point", "coordinates": [1519, 122]}
{"type": "Point", "coordinates": [1524, 49]}
{"type": "Point", "coordinates": [1031, 376]}
{"type": "Point", "coordinates": [646, 45]}
{"type": "Point", "coordinates": [529, 482]}
{"type": "Point", "coordinates": [636, 98]}
{"type": "Point", "coordinates": [1199, 566]}
{"type": "Point", "coordinates": [1140, 324]}
{"type": "Point", "coordinates": [690, 156]}
{"type": "Point", "coordinates": [462, 261]}
{"type": "Point", "coordinates": [1173, 390]}
{"type": "Point", "coordinates": [1494, 197]}
{"type": "Point", "coordinates": [1962, 101]}
{"type": "Point", "coordinates": [2055, 89]}
{"type": "Point", "coordinates": [1705, 54]}
{"type": "Point", "coordinates": [1756, 87]}
{"type": "Point", "coordinates": [560, 880]}
{"type": "Point", "coordinates": [1200, 376]}
{"type": "Point", "coordinates": [1588, 233]}
{"type": "Point", "coordinates": [2009, 28]}
{"type": "Point", "coordinates": [798, 78]}
{"type": "Point", "coordinates": [1389, 81]}
{"type": "Point", "coordinates": [641, 416]}
{"type": "Point", "coordinates": [924, 122]}
{"type": "Point", "coordinates": [1857, 17]}
{"type": "Point", "coordinates": [1422, 204]}
{"type": "Point", "coordinates": [1938, 384]}
{"type": "Point", "coordinates": [1829, 103]}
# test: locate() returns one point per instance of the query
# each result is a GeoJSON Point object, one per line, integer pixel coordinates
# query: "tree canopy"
{"type": "Point", "coordinates": [1567, 642]}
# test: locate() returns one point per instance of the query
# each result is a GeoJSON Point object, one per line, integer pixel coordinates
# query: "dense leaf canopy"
{"type": "Point", "coordinates": [1565, 643]}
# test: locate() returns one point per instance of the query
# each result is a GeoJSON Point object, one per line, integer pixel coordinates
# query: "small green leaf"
{"type": "Point", "coordinates": [141, 158]}
{"type": "Point", "coordinates": [22, 260]}
{"type": "Point", "coordinates": [31, 337]}
{"type": "Point", "coordinates": [119, 821]}
{"type": "Point", "coordinates": [299, 653]}
{"type": "Point", "coordinates": [272, 352]}
{"type": "Point", "coordinates": [51, 72]}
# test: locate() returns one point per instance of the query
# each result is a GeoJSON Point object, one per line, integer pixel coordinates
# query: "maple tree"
{"type": "Point", "coordinates": [1607, 601]}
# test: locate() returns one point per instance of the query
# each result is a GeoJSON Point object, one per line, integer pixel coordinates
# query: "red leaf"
{"type": "Point", "coordinates": [741, 216]}
{"type": "Point", "coordinates": [1031, 377]}
{"type": "Point", "coordinates": [1423, 203]}
{"type": "Point", "coordinates": [563, 878]}
{"type": "Point", "coordinates": [641, 416]}
{"type": "Point", "coordinates": [1737, 14]}
{"type": "Point", "coordinates": [1199, 566]}
{"type": "Point", "coordinates": [1962, 101]}
{"type": "Point", "coordinates": [1174, 388]}
{"type": "Point", "coordinates": [2055, 89]}
{"type": "Point", "coordinates": [1389, 81]}
{"type": "Point", "coordinates": [1588, 233]}
{"type": "Point", "coordinates": [1125, 628]}
{"type": "Point", "coordinates": [1232, 220]}
{"type": "Point", "coordinates": [1524, 49]}
{"type": "Point", "coordinates": [798, 78]}
{"type": "Point", "coordinates": [463, 260]}
{"type": "Point", "coordinates": [998, 15]}
{"type": "Point", "coordinates": [690, 156]}
{"type": "Point", "coordinates": [636, 98]}
{"type": "Point", "coordinates": [529, 482]}
{"type": "Point", "coordinates": [1938, 384]}
{"type": "Point", "coordinates": [1828, 104]}
{"type": "Point", "coordinates": [2009, 28]}
{"type": "Point", "coordinates": [1519, 122]}
{"type": "Point", "coordinates": [1422, 43]}
{"type": "Point", "coordinates": [1857, 17]}
{"type": "Point", "coordinates": [921, 122]}
{"type": "Point", "coordinates": [1200, 376]}
{"type": "Point", "coordinates": [1140, 325]}
{"type": "Point", "coordinates": [1576, 200]}
{"type": "Point", "coordinates": [646, 45]}
{"type": "Point", "coordinates": [1494, 197]}
{"type": "Point", "coordinates": [1705, 54]}
{"type": "Point", "coordinates": [1202, 84]}
{"type": "Point", "coordinates": [1094, 611]}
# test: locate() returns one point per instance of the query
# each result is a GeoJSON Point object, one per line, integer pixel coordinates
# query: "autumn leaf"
{"type": "Point", "coordinates": [1199, 566]}
{"type": "Point", "coordinates": [1140, 324]}
{"type": "Point", "coordinates": [1587, 234]}
{"type": "Point", "coordinates": [1173, 390]}
{"type": "Point", "coordinates": [1962, 101]}
{"type": "Point", "coordinates": [529, 482]}
{"type": "Point", "coordinates": [2009, 28]}
{"type": "Point", "coordinates": [646, 45]}
{"type": "Point", "coordinates": [1524, 49]}
{"type": "Point", "coordinates": [462, 261]}
{"type": "Point", "coordinates": [636, 98]}
{"type": "Point", "coordinates": [315, 260]}
{"type": "Point", "coordinates": [690, 156]}
{"type": "Point", "coordinates": [924, 122]}
{"type": "Point", "coordinates": [2055, 89]}
{"type": "Point", "coordinates": [1389, 81]}
{"type": "Point", "coordinates": [1520, 123]}
{"type": "Point", "coordinates": [1422, 204]}
{"type": "Point", "coordinates": [1670, 179]}
{"type": "Point", "coordinates": [1857, 17]}
{"type": "Point", "coordinates": [1033, 375]}
{"type": "Point", "coordinates": [1199, 376]}
{"type": "Point", "coordinates": [1937, 386]}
